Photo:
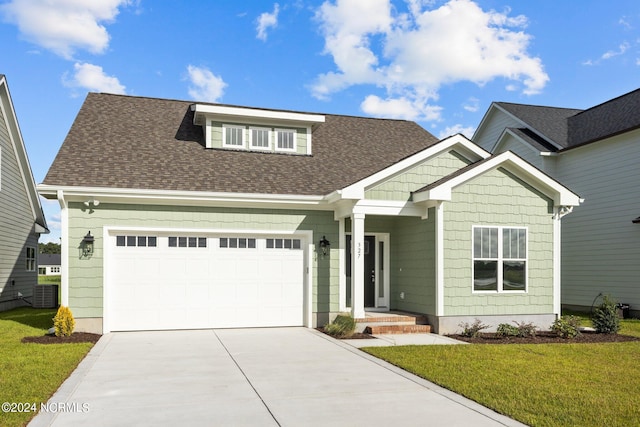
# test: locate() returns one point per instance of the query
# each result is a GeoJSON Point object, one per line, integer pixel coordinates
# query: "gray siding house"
{"type": "Point", "coordinates": [21, 217]}
{"type": "Point", "coordinates": [183, 215]}
{"type": "Point", "coordinates": [596, 152]}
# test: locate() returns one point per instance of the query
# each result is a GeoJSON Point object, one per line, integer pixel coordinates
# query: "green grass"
{"type": "Point", "coordinates": [32, 372]}
{"type": "Point", "coordinates": [538, 384]}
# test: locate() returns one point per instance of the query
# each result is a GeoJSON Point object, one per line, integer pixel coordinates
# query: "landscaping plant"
{"type": "Point", "coordinates": [343, 326]}
{"type": "Point", "coordinates": [566, 326]}
{"type": "Point", "coordinates": [605, 317]}
{"type": "Point", "coordinates": [63, 322]}
{"type": "Point", "coordinates": [522, 330]}
{"type": "Point", "coordinates": [472, 330]}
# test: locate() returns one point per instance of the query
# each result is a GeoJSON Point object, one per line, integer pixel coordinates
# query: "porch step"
{"type": "Point", "coordinates": [397, 329]}
{"type": "Point", "coordinates": [395, 318]}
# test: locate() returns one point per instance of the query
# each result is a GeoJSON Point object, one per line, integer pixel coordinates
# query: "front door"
{"type": "Point", "coordinates": [370, 271]}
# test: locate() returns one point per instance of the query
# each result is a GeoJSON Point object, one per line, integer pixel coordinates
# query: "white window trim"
{"type": "Point", "coordinates": [295, 140]}
{"type": "Point", "coordinates": [501, 259]}
{"type": "Point", "coordinates": [224, 136]}
{"type": "Point", "coordinates": [31, 263]}
{"type": "Point", "coordinates": [269, 138]}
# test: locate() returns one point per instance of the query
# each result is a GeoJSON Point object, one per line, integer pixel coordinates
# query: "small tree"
{"type": "Point", "coordinates": [63, 322]}
{"type": "Point", "coordinates": [566, 326]}
{"type": "Point", "coordinates": [605, 317]}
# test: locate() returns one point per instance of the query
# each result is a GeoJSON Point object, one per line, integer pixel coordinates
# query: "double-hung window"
{"type": "Point", "coordinates": [30, 264]}
{"type": "Point", "coordinates": [259, 138]}
{"type": "Point", "coordinates": [233, 136]}
{"type": "Point", "coordinates": [285, 140]}
{"type": "Point", "coordinates": [499, 259]}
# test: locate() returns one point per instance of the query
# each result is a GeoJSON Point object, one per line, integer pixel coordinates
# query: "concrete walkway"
{"type": "Point", "coordinates": [249, 377]}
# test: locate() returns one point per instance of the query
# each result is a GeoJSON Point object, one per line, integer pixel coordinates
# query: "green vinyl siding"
{"type": "Point", "coordinates": [497, 198]}
{"type": "Point", "coordinates": [86, 275]}
{"type": "Point", "coordinates": [400, 186]}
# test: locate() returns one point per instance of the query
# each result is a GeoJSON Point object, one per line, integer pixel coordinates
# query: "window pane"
{"type": "Point", "coordinates": [278, 243]}
{"type": "Point", "coordinates": [233, 136]}
{"type": "Point", "coordinates": [224, 242]}
{"type": "Point", "coordinates": [477, 242]}
{"type": "Point", "coordinates": [522, 243]}
{"type": "Point", "coordinates": [485, 275]}
{"type": "Point", "coordinates": [151, 241]}
{"type": "Point", "coordinates": [269, 243]}
{"type": "Point", "coordinates": [202, 242]}
{"type": "Point", "coordinates": [513, 278]}
{"type": "Point", "coordinates": [173, 242]}
{"type": "Point", "coordinates": [251, 243]}
{"type": "Point", "coordinates": [119, 240]}
{"type": "Point", "coordinates": [242, 243]}
{"type": "Point", "coordinates": [193, 242]}
{"type": "Point", "coordinates": [260, 137]}
{"type": "Point", "coordinates": [287, 243]}
{"type": "Point", "coordinates": [182, 242]}
{"type": "Point", "coordinates": [285, 139]}
{"type": "Point", "coordinates": [131, 240]}
{"type": "Point", "coordinates": [233, 242]}
{"type": "Point", "coordinates": [142, 241]}
{"type": "Point", "coordinates": [296, 243]}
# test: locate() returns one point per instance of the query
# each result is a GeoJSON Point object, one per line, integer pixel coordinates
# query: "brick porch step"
{"type": "Point", "coordinates": [397, 329]}
{"type": "Point", "coordinates": [415, 320]}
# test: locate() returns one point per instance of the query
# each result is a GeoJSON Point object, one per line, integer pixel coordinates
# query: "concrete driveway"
{"type": "Point", "coordinates": [249, 377]}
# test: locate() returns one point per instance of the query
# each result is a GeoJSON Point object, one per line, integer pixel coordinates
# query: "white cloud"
{"type": "Point", "coordinates": [411, 55]}
{"type": "Point", "coordinates": [205, 86]}
{"type": "Point", "coordinates": [400, 108]}
{"type": "Point", "coordinates": [93, 78]}
{"type": "Point", "coordinates": [621, 50]}
{"type": "Point", "coordinates": [267, 20]}
{"type": "Point", "coordinates": [64, 26]}
{"type": "Point", "coordinates": [472, 105]}
{"type": "Point", "coordinates": [455, 129]}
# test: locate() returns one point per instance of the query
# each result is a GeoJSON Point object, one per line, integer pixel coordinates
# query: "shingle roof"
{"type": "Point", "coordinates": [549, 122]}
{"type": "Point", "coordinates": [49, 259]}
{"type": "Point", "coordinates": [615, 116]}
{"type": "Point", "coordinates": [130, 142]}
{"type": "Point", "coordinates": [571, 127]}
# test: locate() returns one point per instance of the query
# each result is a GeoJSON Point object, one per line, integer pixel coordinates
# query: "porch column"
{"type": "Point", "coordinates": [357, 265]}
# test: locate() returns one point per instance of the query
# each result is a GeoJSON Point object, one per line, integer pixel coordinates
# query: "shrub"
{"type": "Point", "coordinates": [63, 322]}
{"type": "Point", "coordinates": [566, 326]}
{"type": "Point", "coordinates": [343, 326]}
{"type": "Point", "coordinates": [472, 330]}
{"type": "Point", "coordinates": [521, 329]}
{"type": "Point", "coordinates": [526, 329]}
{"type": "Point", "coordinates": [507, 330]}
{"type": "Point", "coordinates": [605, 317]}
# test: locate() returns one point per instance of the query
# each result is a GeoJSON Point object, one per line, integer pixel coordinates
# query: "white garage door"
{"type": "Point", "coordinates": [184, 281]}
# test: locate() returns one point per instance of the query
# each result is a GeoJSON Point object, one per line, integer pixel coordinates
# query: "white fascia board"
{"type": "Point", "coordinates": [254, 113]}
{"type": "Point", "coordinates": [503, 136]}
{"type": "Point", "coordinates": [182, 198]}
{"type": "Point", "coordinates": [560, 194]}
{"type": "Point", "coordinates": [356, 190]}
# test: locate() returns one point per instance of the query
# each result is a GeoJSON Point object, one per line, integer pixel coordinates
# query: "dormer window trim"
{"type": "Point", "coordinates": [234, 132]}
{"type": "Point", "coordinates": [259, 143]}
{"type": "Point", "coordinates": [285, 140]}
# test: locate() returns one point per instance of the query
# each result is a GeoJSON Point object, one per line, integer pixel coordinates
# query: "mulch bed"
{"type": "Point", "coordinates": [76, 337]}
{"type": "Point", "coordinates": [355, 336]}
{"type": "Point", "coordinates": [546, 338]}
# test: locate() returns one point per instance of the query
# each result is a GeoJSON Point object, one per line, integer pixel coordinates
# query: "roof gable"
{"type": "Point", "coordinates": [125, 142]}
{"type": "Point", "coordinates": [20, 152]}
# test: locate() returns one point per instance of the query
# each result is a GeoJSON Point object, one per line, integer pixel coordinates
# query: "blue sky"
{"type": "Point", "coordinates": [440, 63]}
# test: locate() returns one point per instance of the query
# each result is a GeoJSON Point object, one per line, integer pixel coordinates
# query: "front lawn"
{"type": "Point", "coordinates": [32, 372]}
{"type": "Point", "coordinates": [539, 385]}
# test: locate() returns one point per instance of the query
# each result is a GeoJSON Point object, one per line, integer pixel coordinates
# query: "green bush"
{"type": "Point", "coordinates": [507, 330]}
{"type": "Point", "coordinates": [343, 326]}
{"type": "Point", "coordinates": [63, 322]}
{"type": "Point", "coordinates": [521, 329]}
{"type": "Point", "coordinates": [605, 317]}
{"type": "Point", "coordinates": [566, 326]}
{"type": "Point", "coordinates": [472, 330]}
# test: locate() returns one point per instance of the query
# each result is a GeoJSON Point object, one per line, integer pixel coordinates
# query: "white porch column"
{"type": "Point", "coordinates": [64, 246]}
{"type": "Point", "coordinates": [357, 265]}
{"type": "Point", "coordinates": [342, 241]}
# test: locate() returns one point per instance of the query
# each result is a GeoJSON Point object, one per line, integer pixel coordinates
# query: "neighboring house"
{"type": "Point", "coordinates": [595, 152]}
{"type": "Point", "coordinates": [209, 215]}
{"type": "Point", "coordinates": [49, 264]}
{"type": "Point", "coordinates": [21, 217]}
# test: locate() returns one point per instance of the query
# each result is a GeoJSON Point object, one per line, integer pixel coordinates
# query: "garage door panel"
{"type": "Point", "coordinates": [204, 287]}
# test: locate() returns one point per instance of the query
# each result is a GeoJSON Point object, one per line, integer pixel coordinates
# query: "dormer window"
{"type": "Point", "coordinates": [260, 138]}
{"type": "Point", "coordinates": [233, 136]}
{"type": "Point", "coordinates": [285, 140]}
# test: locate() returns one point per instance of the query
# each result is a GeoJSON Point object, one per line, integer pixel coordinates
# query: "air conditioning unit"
{"type": "Point", "coordinates": [45, 296]}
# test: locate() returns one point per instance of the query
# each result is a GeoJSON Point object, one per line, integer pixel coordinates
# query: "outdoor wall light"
{"type": "Point", "coordinates": [324, 245]}
{"type": "Point", "coordinates": [87, 245]}
{"type": "Point", "coordinates": [90, 202]}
